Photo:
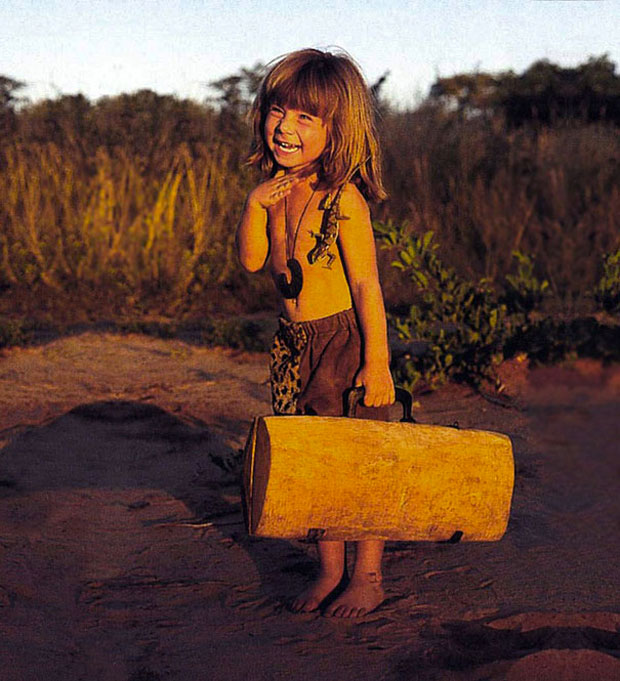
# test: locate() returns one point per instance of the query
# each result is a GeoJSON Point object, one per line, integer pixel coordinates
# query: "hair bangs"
{"type": "Point", "coordinates": [306, 90]}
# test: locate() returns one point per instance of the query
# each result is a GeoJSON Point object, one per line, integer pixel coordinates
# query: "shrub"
{"type": "Point", "coordinates": [607, 291]}
{"type": "Point", "coordinates": [462, 321]}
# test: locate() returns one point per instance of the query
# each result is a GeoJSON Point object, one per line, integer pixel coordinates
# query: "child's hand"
{"type": "Point", "coordinates": [378, 385]}
{"type": "Point", "coordinates": [272, 191]}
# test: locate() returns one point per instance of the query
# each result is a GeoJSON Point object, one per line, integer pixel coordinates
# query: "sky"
{"type": "Point", "coordinates": [105, 47]}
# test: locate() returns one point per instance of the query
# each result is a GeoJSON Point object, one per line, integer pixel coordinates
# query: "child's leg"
{"type": "Point", "coordinates": [332, 566]}
{"type": "Point", "coordinates": [365, 591]}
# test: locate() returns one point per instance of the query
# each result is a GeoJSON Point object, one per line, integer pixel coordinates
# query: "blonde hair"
{"type": "Point", "coordinates": [329, 86]}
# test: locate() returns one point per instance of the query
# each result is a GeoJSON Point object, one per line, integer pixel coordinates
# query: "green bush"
{"type": "Point", "coordinates": [468, 327]}
{"type": "Point", "coordinates": [607, 291]}
{"type": "Point", "coordinates": [462, 321]}
{"type": "Point", "coordinates": [524, 293]}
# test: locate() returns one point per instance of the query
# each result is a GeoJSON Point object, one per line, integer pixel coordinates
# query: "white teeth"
{"type": "Point", "coordinates": [286, 146]}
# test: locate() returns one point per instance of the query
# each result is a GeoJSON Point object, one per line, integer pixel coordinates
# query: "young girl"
{"type": "Point", "coordinates": [315, 141]}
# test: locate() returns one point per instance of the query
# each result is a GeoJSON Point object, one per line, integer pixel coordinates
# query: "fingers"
{"type": "Point", "coordinates": [272, 191]}
{"type": "Point", "coordinates": [378, 401]}
{"type": "Point", "coordinates": [279, 193]}
{"type": "Point", "coordinates": [377, 392]}
{"type": "Point", "coordinates": [279, 187]}
{"type": "Point", "coordinates": [374, 398]}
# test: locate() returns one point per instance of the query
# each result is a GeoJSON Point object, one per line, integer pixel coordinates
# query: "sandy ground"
{"type": "Point", "coordinates": [124, 556]}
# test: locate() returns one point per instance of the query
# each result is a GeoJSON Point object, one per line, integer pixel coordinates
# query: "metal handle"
{"type": "Point", "coordinates": [353, 396]}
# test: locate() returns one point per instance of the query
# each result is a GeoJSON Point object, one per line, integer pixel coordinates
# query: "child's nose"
{"type": "Point", "coordinates": [285, 124]}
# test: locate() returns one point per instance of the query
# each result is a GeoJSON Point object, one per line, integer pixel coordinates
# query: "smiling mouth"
{"type": "Point", "coordinates": [286, 146]}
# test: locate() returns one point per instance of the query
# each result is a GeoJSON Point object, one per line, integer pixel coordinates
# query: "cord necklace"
{"type": "Point", "coordinates": [291, 289]}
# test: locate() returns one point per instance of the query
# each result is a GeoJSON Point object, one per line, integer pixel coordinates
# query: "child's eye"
{"type": "Point", "coordinates": [275, 109]}
{"type": "Point", "coordinates": [306, 117]}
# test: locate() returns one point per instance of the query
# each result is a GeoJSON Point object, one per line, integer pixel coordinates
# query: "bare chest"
{"type": "Point", "coordinates": [304, 230]}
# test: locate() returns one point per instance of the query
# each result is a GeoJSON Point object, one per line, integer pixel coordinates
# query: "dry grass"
{"type": "Point", "coordinates": [116, 231]}
{"type": "Point", "coordinates": [106, 233]}
{"type": "Point", "coordinates": [485, 192]}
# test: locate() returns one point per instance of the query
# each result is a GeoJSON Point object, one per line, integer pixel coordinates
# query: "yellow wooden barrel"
{"type": "Point", "coordinates": [350, 479]}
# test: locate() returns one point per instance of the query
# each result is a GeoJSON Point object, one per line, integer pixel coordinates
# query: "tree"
{"type": "Point", "coordinates": [233, 99]}
{"type": "Point", "coordinates": [544, 93]}
{"type": "Point", "coordinates": [469, 93]}
{"type": "Point", "coordinates": [64, 120]}
{"type": "Point", "coordinates": [145, 121]}
{"type": "Point", "coordinates": [8, 99]}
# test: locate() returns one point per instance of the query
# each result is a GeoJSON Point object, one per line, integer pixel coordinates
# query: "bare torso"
{"type": "Point", "coordinates": [325, 291]}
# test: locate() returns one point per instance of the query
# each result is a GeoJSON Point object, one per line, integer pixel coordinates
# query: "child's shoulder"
{"type": "Point", "coordinates": [352, 203]}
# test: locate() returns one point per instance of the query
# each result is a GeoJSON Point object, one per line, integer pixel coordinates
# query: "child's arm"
{"type": "Point", "coordinates": [252, 238]}
{"type": "Point", "coordinates": [360, 260]}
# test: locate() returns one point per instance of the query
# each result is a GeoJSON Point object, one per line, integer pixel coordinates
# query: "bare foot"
{"type": "Point", "coordinates": [363, 594]}
{"type": "Point", "coordinates": [310, 599]}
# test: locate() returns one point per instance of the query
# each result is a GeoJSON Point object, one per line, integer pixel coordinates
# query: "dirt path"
{"type": "Point", "coordinates": [123, 555]}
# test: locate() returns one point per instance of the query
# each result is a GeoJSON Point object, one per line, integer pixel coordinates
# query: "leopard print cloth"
{"type": "Point", "coordinates": [288, 344]}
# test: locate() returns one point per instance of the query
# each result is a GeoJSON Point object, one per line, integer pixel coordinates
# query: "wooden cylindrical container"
{"type": "Point", "coordinates": [353, 479]}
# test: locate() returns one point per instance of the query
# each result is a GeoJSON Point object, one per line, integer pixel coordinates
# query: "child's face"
{"type": "Point", "coordinates": [295, 138]}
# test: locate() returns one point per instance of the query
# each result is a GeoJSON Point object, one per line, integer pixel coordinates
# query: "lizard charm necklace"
{"type": "Point", "coordinates": [291, 289]}
{"type": "Point", "coordinates": [328, 234]}
{"type": "Point", "coordinates": [329, 229]}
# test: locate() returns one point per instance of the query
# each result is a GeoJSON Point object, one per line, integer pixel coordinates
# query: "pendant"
{"type": "Point", "coordinates": [291, 289]}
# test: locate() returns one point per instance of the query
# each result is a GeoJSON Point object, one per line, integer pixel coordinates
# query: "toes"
{"type": "Point", "coordinates": [311, 606]}
{"type": "Point", "coordinates": [340, 611]}
{"type": "Point", "coordinates": [297, 606]}
{"type": "Point", "coordinates": [345, 612]}
{"type": "Point", "coordinates": [304, 606]}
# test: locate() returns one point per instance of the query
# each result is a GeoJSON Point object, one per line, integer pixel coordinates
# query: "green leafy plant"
{"type": "Point", "coordinates": [607, 291]}
{"type": "Point", "coordinates": [524, 293]}
{"type": "Point", "coordinates": [461, 321]}
{"type": "Point", "coordinates": [466, 328]}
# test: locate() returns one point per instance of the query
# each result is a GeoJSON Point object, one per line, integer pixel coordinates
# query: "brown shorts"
{"type": "Point", "coordinates": [313, 363]}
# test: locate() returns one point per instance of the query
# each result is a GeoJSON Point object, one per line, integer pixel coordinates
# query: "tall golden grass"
{"type": "Point", "coordinates": [116, 235]}
{"type": "Point", "coordinates": [102, 232]}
